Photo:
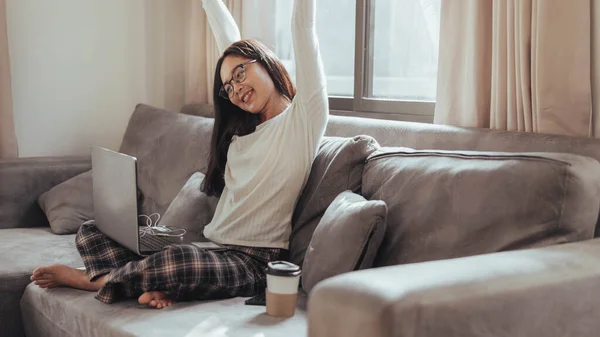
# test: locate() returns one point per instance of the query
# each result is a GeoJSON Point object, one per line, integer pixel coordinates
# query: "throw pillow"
{"type": "Point", "coordinates": [69, 204]}
{"type": "Point", "coordinates": [169, 148]}
{"type": "Point", "coordinates": [191, 209]}
{"type": "Point", "coordinates": [346, 239]}
{"type": "Point", "coordinates": [337, 167]}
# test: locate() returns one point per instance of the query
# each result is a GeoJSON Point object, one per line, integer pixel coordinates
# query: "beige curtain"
{"type": "Point", "coordinates": [521, 65]}
{"type": "Point", "coordinates": [595, 14]}
{"type": "Point", "coordinates": [8, 140]}
{"type": "Point", "coordinates": [201, 53]}
{"type": "Point", "coordinates": [201, 48]}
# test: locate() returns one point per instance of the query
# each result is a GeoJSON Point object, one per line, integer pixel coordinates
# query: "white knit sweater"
{"type": "Point", "coordinates": [267, 169]}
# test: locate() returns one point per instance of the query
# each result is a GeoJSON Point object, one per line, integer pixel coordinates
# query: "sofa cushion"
{"type": "Point", "coordinates": [356, 226]}
{"type": "Point", "coordinates": [444, 204]}
{"type": "Point", "coordinates": [21, 251]}
{"type": "Point", "coordinates": [63, 312]}
{"type": "Point", "coordinates": [191, 209]}
{"type": "Point", "coordinates": [337, 167]}
{"type": "Point", "coordinates": [169, 148]}
{"type": "Point", "coordinates": [69, 204]}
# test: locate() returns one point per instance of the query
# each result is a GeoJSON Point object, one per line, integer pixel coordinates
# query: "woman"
{"type": "Point", "coordinates": [264, 141]}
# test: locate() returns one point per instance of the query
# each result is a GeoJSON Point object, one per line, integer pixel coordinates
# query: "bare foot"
{"type": "Point", "coordinates": [61, 275]}
{"type": "Point", "coordinates": [155, 299]}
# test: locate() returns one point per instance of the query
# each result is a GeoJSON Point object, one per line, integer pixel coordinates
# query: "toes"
{"type": "Point", "coordinates": [43, 277]}
{"type": "Point", "coordinates": [44, 284]}
{"type": "Point", "coordinates": [39, 282]}
{"type": "Point", "coordinates": [39, 271]}
{"type": "Point", "coordinates": [155, 299]}
{"type": "Point", "coordinates": [48, 285]}
{"type": "Point", "coordinates": [164, 304]}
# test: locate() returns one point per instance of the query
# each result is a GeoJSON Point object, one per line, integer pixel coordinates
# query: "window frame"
{"type": "Point", "coordinates": [361, 103]}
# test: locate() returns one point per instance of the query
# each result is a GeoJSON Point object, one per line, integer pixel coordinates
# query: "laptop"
{"type": "Point", "coordinates": [116, 205]}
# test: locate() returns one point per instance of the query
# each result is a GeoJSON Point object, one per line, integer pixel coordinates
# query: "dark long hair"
{"type": "Point", "coordinates": [230, 120]}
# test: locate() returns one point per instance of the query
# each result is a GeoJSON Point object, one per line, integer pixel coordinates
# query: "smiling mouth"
{"type": "Point", "coordinates": [247, 96]}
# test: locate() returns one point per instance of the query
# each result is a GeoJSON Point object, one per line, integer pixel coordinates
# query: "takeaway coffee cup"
{"type": "Point", "coordinates": [282, 288]}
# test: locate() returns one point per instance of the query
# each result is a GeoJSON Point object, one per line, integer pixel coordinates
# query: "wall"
{"type": "Point", "coordinates": [79, 67]}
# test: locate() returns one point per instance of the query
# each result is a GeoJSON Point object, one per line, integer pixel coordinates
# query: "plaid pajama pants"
{"type": "Point", "coordinates": [183, 272]}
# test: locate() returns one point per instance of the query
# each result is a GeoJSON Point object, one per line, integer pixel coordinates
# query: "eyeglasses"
{"type": "Point", "coordinates": [239, 75]}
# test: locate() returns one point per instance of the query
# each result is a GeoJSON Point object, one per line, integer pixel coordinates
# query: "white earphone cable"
{"type": "Point", "coordinates": [152, 227]}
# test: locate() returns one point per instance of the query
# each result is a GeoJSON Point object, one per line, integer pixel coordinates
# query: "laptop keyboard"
{"type": "Point", "coordinates": [154, 242]}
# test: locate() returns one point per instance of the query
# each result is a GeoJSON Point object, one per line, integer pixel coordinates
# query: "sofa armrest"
{"type": "Point", "coordinates": [551, 291]}
{"type": "Point", "coordinates": [23, 180]}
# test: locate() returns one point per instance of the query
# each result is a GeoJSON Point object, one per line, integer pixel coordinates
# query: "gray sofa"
{"type": "Point", "coordinates": [488, 234]}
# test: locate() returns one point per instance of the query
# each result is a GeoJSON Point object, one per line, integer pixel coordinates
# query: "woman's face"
{"type": "Point", "coordinates": [256, 88]}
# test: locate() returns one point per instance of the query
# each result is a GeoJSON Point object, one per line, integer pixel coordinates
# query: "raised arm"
{"type": "Point", "coordinates": [310, 77]}
{"type": "Point", "coordinates": [221, 23]}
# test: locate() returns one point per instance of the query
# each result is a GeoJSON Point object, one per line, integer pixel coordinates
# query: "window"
{"type": "Point", "coordinates": [390, 45]}
{"type": "Point", "coordinates": [403, 53]}
{"type": "Point", "coordinates": [335, 28]}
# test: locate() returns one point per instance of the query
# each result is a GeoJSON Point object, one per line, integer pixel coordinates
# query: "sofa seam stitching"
{"type": "Point", "coordinates": [366, 243]}
{"type": "Point", "coordinates": [350, 165]}
{"type": "Point", "coordinates": [566, 181]}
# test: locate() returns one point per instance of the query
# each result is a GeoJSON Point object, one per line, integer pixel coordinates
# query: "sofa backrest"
{"type": "Point", "coordinates": [442, 137]}
{"type": "Point", "coordinates": [424, 136]}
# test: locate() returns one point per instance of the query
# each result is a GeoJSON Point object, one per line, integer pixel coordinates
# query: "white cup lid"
{"type": "Point", "coordinates": [283, 268]}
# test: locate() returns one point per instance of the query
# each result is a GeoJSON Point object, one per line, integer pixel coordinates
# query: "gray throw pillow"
{"type": "Point", "coordinates": [337, 167]}
{"type": "Point", "coordinates": [346, 239]}
{"type": "Point", "coordinates": [69, 204]}
{"type": "Point", "coordinates": [169, 148]}
{"type": "Point", "coordinates": [191, 209]}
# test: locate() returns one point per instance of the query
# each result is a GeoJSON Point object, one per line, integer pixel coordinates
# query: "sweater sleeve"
{"type": "Point", "coordinates": [311, 90]}
{"type": "Point", "coordinates": [221, 23]}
